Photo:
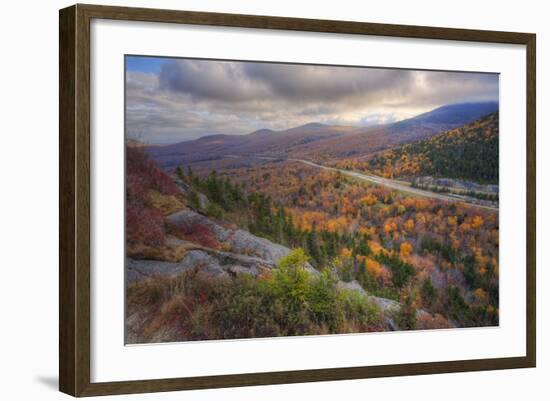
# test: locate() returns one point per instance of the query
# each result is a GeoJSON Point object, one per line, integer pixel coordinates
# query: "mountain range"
{"type": "Point", "coordinates": [321, 142]}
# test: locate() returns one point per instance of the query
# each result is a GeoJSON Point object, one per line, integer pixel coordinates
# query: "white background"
{"type": "Point", "coordinates": [28, 219]}
{"type": "Point", "coordinates": [112, 361]}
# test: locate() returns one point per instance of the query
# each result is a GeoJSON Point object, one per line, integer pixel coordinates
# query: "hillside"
{"type": "Point", "coordinates": [468, 153]}
{"type": "Point", "coordinates": [193, 274]}
{"type": "Point", "coordinates": [320, 142]}
{"type": "Point", "coordinates": [393, 245]}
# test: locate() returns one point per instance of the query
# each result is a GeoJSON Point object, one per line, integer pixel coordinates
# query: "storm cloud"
{"type": "Point", "coordinates": [189, 98]}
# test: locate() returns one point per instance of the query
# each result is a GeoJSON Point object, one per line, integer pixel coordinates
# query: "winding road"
{"type": "Point", "coordinates": [389, 183]}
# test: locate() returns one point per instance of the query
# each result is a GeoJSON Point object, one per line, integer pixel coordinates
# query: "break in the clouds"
{"type": "Point", "coordinates": [170, 100]}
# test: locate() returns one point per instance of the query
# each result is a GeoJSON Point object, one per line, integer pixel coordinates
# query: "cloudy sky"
{"type": "Point", "coordinates": [171, 100]}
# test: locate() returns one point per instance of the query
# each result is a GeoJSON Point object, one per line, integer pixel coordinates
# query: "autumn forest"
{"type": "Point", "coordinates": [320, 228]}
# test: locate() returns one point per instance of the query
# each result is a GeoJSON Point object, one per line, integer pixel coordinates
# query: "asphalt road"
{"type": "Point", "coordinates": [389, 183]}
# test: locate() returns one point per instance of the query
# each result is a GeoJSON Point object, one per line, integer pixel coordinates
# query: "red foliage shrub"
{"type": "Point", "coordinates": [143, 174]}
{"type": "Point", "coordinates": [144, 224]}
{"type": "Point", "coordinates": [196, 232]}
{"type": "Point", "coordinates": [135, 188]}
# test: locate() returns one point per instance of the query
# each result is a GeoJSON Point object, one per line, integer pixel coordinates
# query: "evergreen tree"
{"type": "Point", "coordinates": [193, 198]}
{"type": "Point", "coordinates": [191, 177]}
{"type": "Point", "coordinates": [289, 230]}
{"type": "Point", "coordinates": [364, 248]}
{"type": "Point", "coordinates": [313, 245]}
{"type": "Point", "coordinates": [179, 174]}
{"type": "Point", "coordinates": [406, 317]}
{"type": "Point", "coordinates": [428, 292]}
{"type": "Point", "coordinates": [213, 187]}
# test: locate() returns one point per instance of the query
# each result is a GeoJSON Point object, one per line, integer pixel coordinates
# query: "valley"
{"type": "Point", "coordinates": [452, 194]}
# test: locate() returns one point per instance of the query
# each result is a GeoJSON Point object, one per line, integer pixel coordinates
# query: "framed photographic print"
{"type": "Point", "coordinates": [250, 200]}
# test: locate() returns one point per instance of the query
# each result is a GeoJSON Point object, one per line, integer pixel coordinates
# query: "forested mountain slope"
{"type": "Point", "coordinates": [470, 153]}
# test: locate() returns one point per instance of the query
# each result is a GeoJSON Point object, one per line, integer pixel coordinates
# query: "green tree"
{"type": "Point", "coordinates": [180, 174]}
{"type": "Point", "coordinates": [428, 293]}
{"type": "Point", "coordinates": [364, 248]}
{"type": "Point", "coordinates": [213, 187]}
{"type": "Point", "coordinates": [193, 198]}
{"type": "Point", "coordinates": [406, 317]}
{"type": "Point", "coordinates": [313, 245]}
{"type": "Point", "coordinates": [214, 210]}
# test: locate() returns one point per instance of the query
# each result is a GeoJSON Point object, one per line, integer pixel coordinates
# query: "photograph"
{"type": "Point", "coordinates": [271, 199]}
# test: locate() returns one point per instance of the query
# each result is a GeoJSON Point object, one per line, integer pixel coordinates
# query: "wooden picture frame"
{"type": "Point", "coordinates": [74, 204]}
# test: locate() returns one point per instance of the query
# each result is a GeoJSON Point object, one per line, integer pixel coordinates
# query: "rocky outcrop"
{"type": "Point", "coordinates": [238, 241]}
{"type": "Point", "coordinates": [245, 254]}
{"type": "Point", "coordinates": [245, 243]}
{"type": "Point", "coordinates": [137, 270]}
{"type": "Point", "coordinates": [352, 286]}
{"type": "Point", "coordinates": [208, 261]}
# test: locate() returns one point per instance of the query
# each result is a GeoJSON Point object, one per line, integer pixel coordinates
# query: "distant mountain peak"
{"type": "Point", "coordinates": [312, 125]}
{"type": "Point", "coordinates": [263, 131]}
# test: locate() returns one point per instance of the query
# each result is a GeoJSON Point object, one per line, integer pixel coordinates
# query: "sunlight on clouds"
{"type": "Point", "coordinates": [181, 99]}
